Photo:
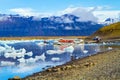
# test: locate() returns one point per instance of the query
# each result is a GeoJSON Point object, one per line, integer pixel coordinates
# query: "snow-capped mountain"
{"type": "Point", "coordinates": [111, 20]}
{"type": "Point", "coordinates": [64, 25]}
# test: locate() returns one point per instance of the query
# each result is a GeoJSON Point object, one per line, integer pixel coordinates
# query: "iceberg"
{"type": "Point", "coordinates": [30, 60]}
{"type": "Point", "coordinates": [41, 57]}
{"type": "Point", "coordinates": [85, 51]}
{"type": "Point", "coordinates": [69, 49]}
{"type": "Point", "coordinates": [51, 52]}
{"type": "Point", "coordinates": [7, 63]}
{"type": "Point", "coordinates": [55, 59]}
{"type": "Point", "coordinates": [29, 53]}
{"type": "Point", "coordinates": [21, 60]}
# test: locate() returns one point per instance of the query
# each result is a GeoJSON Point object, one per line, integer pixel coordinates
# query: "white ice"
{"type": "Point", "coordinates": [55, 59]}
{"type": "Point", "coordinates": [7, 63]}
{"type": "Point", "coordinates": [51, 52]}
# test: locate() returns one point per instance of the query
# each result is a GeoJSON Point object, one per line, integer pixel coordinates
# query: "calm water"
{"type": "Point", "coordinates": [22, 58]}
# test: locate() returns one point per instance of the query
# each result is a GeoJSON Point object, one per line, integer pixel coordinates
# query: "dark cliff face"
{"type": "Point", "coordinates": [65, 25]}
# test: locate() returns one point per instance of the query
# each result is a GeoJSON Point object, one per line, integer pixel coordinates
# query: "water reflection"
{"type": "Point", "coordinates": [26, 57]}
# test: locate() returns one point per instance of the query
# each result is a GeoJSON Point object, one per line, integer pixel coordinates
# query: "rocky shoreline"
{"type": "Point", "coordinates": [101, 66]}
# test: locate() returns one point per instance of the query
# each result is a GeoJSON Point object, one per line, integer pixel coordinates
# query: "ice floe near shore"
{"type": "Point", "coordinates": [7, 63]}
{"type": "Point", "coordinates": [12, 53]}
{"type": "Point", "coordinates": [21, 53]}
{"type": "Point", "coordinates": [51, 52]}
{"type": "Point", "coordinates": [69, 49]}
{"type": "Point", "coordinates": [55, 59]}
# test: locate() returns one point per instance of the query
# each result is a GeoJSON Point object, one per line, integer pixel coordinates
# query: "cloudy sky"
{"type": "Point", "coordinates": [96, 10]}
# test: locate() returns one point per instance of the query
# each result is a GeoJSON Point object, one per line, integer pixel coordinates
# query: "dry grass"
{"type": "Point", "coordinates": [109, 32]}
{"type": "Point", "coordinates": [41, 37]}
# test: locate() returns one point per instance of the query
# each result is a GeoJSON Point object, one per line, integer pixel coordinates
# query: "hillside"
{"type": "Point", "coordinates": [109, 32]}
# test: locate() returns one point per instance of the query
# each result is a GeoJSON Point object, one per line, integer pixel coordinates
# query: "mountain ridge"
{"type": "Point", "coordinates": [65, 25]}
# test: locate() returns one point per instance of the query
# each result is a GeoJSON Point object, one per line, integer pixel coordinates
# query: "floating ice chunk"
{"type": "Point", "coordinates": [10, 55]}
{"type": "Point", "coordinates": [7, 55]}
{"type": "Point", "coordinates": [29, 53]}
{"type": "Point", "coordinates": [21, 60]}
{"type": "Point", "coordinates": [19, 55]}
{"type": "Point", "coordinates": [41, 57]}
{"type": "Point", "coordinates": [55, 59]}
{"type": "Point", "coordinates": [80, 46]}
{"type": "Point", "coordinates": [23, 50]}
{"type": "Point", "coordinates": [2, 49]}
{"type": "Point", "coordinates": [81, 40]}
{"type": "Point", "coordinates": [69, 49]}
{"type": "Point", "coordinates": [51, 52]}
{"type": "Point", "coordinates": [40, 43]}
{"type": "Point", "coordinates": [85, 51]}
{"type": "Point", "coordinates": [14, 55]}
{"type": "Point", "coordinates": [25, 68]}
{"type": "Point", "coordinates": [9, 50]}
{"type": "Point", "coordinates": [30, 60]}
{"type": "Point", "coordinates": [7, 63]}
{"type": "Point", "coordinates": [110, 48]}
{"type": "Point", "coordinates": [104, 43]}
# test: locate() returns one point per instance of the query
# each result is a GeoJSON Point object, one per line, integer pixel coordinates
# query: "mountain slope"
{"type": "Point", "coordinates": [65, 25]}
{"type": "Point", "coordinates": [110, 31]}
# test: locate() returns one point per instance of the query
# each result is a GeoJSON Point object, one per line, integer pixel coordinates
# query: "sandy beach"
{"type": "Point", "coordinates": [101, 66]}
{"type": "Point", "coordinates": [42, 37]}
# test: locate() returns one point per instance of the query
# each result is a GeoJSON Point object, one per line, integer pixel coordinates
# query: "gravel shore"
{"type": "Point", "coordinates": [102, 66]}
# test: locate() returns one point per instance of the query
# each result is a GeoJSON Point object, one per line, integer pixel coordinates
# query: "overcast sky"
{"type": "Point", "coordinates": [93, 9]}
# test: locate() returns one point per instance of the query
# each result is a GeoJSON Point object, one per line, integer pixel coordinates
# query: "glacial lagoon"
{"type": "Point", "coordinates": [23, 58]}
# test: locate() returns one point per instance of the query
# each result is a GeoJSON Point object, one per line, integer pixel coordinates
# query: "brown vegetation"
{"type": "Point", "coordinates": [109, 32]}
{"type": "Point", "coordinates": [41, 37]}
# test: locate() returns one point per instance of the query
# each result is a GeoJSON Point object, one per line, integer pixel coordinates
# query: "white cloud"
{"type": "Point", "coordinates": [98, 8]}
{"type": "Point", "coordinates": [28, 12]}
{"type": "Point", "coordinates": [23, 11]}
{"type": "Point", "coordinates": [102, 15]}
{"type": "Point", "coordinates": [99, 13]}
{"type": "Point", "coordinates": [3, 18]}
{"type": "Point", "coordinates": [85, 14]}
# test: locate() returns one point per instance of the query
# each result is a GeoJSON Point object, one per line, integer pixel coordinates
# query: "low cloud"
{"type": "Point", "coordinates": [28, 12]}
{"type": "Point", "coordinates": [102, 15]}
{"type": "Point", "coordinates": [95, 14]}
{"type": "Point", "coordinates": [85, 14]}
{"type": "Point", "coordinates": [3, 18]}
{"type": "Point", "coordinates": [24, 11]}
